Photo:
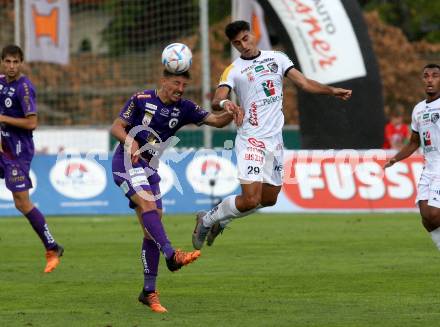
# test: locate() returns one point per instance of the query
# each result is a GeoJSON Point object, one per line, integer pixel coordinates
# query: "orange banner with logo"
{"type": "Point", "coordinates": [47, 31]}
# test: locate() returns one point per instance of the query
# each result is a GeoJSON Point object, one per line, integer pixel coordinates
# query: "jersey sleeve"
{"type": "Point", "coordinates": [414, 125]}
{"type": "Point", "coordinates": [196, 115]}
{"type": "Point", "coordinates": [285, 63]}
{"type": "Point", "coordinates": [226, 79]}
{"type": "Point", "coordinates": [127, 112]}
{"type": "Point", "coordinates": [26, 96]}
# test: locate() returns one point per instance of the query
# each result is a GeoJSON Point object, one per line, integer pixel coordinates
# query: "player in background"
{"type": "Point", "coordinates": [18, 118]}
{"type": "Point", "coordinates": [146, 122]}
{"type": "Point", "coordinates": [396, 131]}
{"type": "Point", "coordinates": [425, 126]}
{"type": "Point", "coordinates": [257, 79]}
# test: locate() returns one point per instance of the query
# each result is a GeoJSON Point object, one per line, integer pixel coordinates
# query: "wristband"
{"type": "Point", "coordinates": [222, 103]}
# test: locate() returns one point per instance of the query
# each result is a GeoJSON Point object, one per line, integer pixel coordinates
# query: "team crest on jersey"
{"type": "Point", "coordinates": [173, 122]}
{"type": "Point", "coordinates": [273, 67]}
{"type": "Point", "coordinates": [8, 103]}
{"type": "Point", "coordinates": [175, 112]}
{"type": "Point", "coordinates": [434, 117]}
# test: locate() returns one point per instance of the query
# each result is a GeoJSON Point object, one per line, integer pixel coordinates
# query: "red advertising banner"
{"type": "Point", "coordinates": [349, 179]}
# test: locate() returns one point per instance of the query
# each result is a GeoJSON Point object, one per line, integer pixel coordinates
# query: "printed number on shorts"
{"type": "Point", "coordinates": [253, 170]}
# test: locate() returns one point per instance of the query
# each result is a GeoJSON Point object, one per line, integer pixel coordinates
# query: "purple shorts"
{"type": "Point", "coordinates": [140, 176]}
{"type": "Point", "coordinates": [15, 174]}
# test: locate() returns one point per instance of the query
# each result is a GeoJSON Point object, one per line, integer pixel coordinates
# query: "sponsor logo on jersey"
{"type": "Point", "coordinates": [426, 138]}
{"type": "Point", "coordinates": [434, 117]}
{"type": "Point", "coordinates": [247, 69]}
{"type": "Point", "coordinates": [127, 113]}
{"type": "Point", "coordinates": [273, 67]}
{"type": "Point", "coordinates": [6, 195]}
{"type": "Point", "coordinates": [425, 116]}
{"type": "Point", "coordinates": [259, 68]}
{"type": "Point", "coordinates": [164, 112]}
{"type": "Point", "coordinates": [253, 116]}
{"type": "Point", "coordinates": [250, 77]}
{"type": "Point", "coordinates": [150, 106]}
{"type": "Point", "coordinates": [147, 119]}
{"type": "Point", "coordinates": [175, 112]}
{"type": "Point", "coordinates": [143, 96]}
{"type": "Point", "coordinates": [259, 144]}
{"type": "Point", "coordinates": [256, 61]}
{"type": "Point", "coordinates": [270, 100]}
{"type": "Point", "coordinates": [269, 88]}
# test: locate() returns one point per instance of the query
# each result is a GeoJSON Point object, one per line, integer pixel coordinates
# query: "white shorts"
{"type": "Point", "coordinates": [260, 160]}
{"type": "Point", "coordinates": [429, 189]}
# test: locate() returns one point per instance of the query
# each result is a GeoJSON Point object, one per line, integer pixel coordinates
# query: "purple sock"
{"type": "Point", "coordinates": [150, 260]}
{"type": "Point", "coordinates": [39, 225]}
{"type": "Point", "coordinates": [154, 226]}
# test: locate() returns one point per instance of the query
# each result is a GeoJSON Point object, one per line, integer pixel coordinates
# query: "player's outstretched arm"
{"type": "Point", "coordinates": [218, 120]}
{"type": "Point", "coordinates": [312, 86]}
{"type": "Point", "coordinates": [221, 102]}
{"type": "Point", "coordinates": [407, 150]}
{"type": "Point", "coordinates": [29, 122]}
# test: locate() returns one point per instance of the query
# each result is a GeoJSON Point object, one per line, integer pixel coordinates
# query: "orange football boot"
{"type": "Point", "coordinates": [53, 258]}
{"type": "Point", "coordinates": [152, 300]}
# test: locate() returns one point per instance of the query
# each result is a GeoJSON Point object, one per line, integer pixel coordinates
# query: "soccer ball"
{"type": "Point", "coordinates": [177, 58]}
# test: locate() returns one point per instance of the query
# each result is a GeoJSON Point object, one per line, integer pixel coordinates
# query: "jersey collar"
{"type": "Point", "coordinates": [252, 58]}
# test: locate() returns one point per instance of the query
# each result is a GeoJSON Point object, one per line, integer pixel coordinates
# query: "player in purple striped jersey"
{"type": "Point", "coordinates": [18, 118]}
{"type": "Point", "coordinates": [144, 125]}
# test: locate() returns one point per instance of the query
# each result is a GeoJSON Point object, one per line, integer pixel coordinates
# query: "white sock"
{"type": "Point", "coordinates": [435, 235]}
{"type": "Point", "coordinates": [224, 212]}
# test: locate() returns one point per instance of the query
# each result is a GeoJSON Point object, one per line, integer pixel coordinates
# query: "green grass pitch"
{"type": "Point", "coordinates": [267, 270]}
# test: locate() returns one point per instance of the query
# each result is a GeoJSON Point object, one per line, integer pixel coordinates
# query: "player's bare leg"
{"type": "Point", "coordinates": [53, 250]}
{"type": "Point", "coordinates": [431, 220]}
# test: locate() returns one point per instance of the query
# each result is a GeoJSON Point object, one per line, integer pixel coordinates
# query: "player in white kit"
{"type": "Point", "coordinates": [425, 125]}
{"type": "Point", "coordinates": [257, 79]}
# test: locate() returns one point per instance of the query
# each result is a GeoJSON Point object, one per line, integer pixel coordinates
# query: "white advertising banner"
{"type": "Point", "coordinates": [47, 31]}
{"type": "Point", "coordinates": [323, 38]}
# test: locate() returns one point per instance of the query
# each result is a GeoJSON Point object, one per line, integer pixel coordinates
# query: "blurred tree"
{"type": "Point", "coordinates": [418, 19]}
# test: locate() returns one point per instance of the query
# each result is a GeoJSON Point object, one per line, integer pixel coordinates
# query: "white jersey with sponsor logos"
{"type": "Point", "coordinates": [426, 122]}
{"type": "Point", "coordinates": [258, 84]}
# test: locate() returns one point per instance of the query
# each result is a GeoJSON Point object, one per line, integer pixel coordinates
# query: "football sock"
{"type": "Point", "coordinates": [154, 227]}
{"type": "Point", "coordinates": [150, 260]}
{"type": "Point", "coordinates": [224, 212]}
{"type": "Point", "coordinates": [39, 225]}
{"type": "Point", "coordinates": [435, 235]}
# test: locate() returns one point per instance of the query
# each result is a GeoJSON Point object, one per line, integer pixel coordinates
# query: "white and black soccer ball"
{"type": "Point", "coordinates": [177, 58]}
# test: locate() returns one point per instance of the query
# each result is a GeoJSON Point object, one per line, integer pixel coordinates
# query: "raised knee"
{"type": "Point", "coordinates": [268, 202]}
{"type": "Point", "coordinates": [251, 202]}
